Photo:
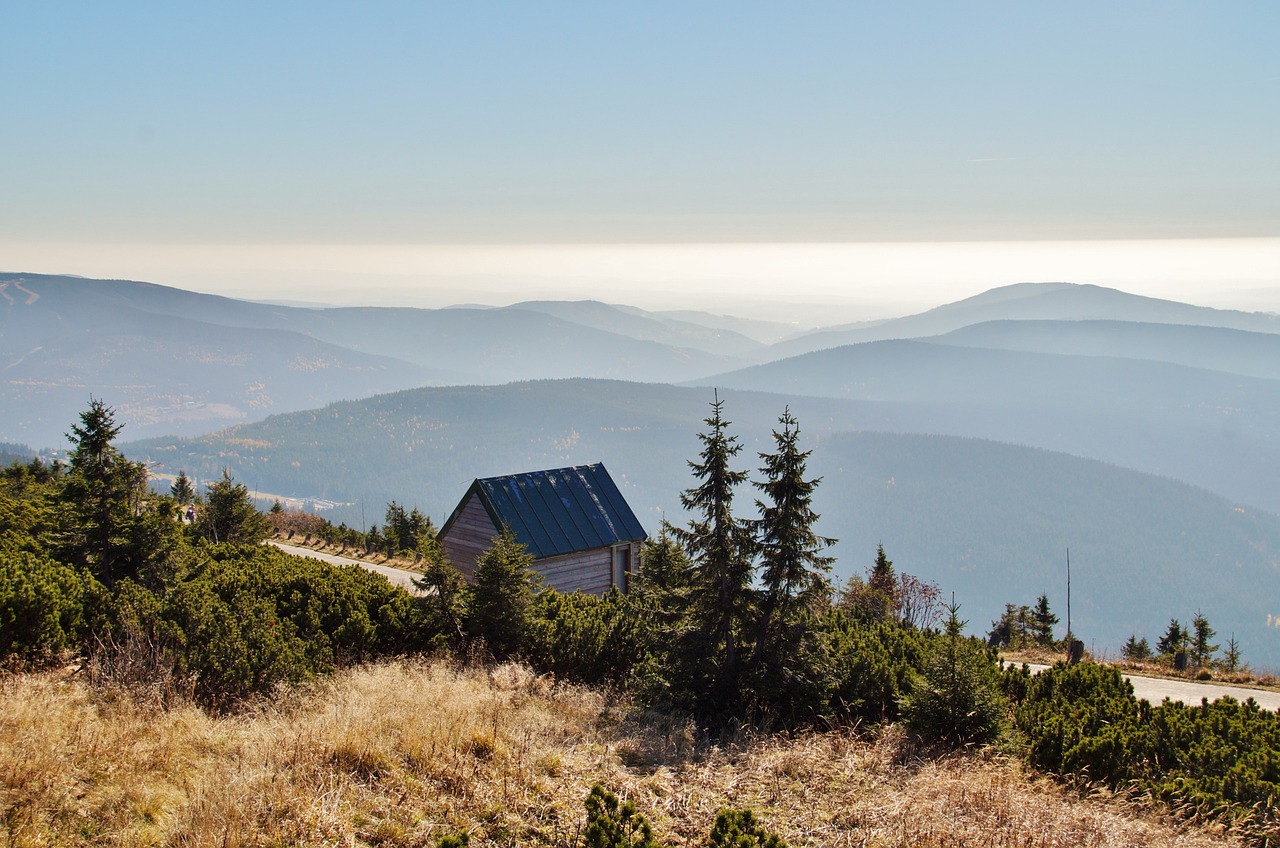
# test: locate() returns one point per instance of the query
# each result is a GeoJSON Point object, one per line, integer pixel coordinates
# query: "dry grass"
{"type": "Point", "coordinates": [397, 754]}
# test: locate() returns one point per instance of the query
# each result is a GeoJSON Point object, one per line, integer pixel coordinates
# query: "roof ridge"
{"type": "Point", "coordinates": [558, 511]}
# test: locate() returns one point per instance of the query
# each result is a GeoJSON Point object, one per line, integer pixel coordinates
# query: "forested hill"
{"type": "Point", "coordinates": [11, 453]}
{"type": "Point", "coordinates": [991, 521]}
{"type": "Point", "coordinates": [1212, 348]}
{"type": "Point", "coordinates": [1213, 428]}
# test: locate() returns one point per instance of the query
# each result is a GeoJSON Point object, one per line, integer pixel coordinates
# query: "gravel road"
{"type": "Point", "coordinates": [1156, 689]}
{"type": "Point", "coordinates": [397, 576]}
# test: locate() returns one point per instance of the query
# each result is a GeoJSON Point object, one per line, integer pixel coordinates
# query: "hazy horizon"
{"type": "Point", "coordinates": [814, 284]}
{"type": "Point", "coordinates": [862, 160]}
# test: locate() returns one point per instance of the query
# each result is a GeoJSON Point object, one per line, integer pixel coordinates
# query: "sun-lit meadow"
{"type": "Point", "coordinates": [398, 754]}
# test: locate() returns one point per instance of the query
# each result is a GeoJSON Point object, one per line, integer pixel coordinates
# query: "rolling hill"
{"type": "Point", "coordinates": [1030, 302]}
{"type": "Point", "coordinates": [173, 361]}
{"type": "Point", "coordinates": [649, 326]}
{"type": "Point", "coordinates": [990, 521]}
{"type": "Point", "coordinates": [1212, 348]}
{"type": "Point", "coordinates": [165, 373]}
{"type": "Point", "coordinates": [1213, 429]}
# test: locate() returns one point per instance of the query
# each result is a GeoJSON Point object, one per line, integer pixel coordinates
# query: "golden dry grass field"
{"type": "Point", "coordinates": [400, 753]}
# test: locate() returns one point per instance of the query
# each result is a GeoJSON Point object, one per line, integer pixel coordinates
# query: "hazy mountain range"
{"type": "Point", "coordinates": [926, 428]}
{"type": "Point", "coordinates": [180, 362]}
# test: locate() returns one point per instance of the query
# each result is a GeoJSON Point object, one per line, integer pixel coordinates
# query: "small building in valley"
{"type": "Point", "coordinates": [575, 522]}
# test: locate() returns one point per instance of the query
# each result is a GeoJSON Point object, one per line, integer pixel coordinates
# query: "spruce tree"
{"type": "Point", "coordinates": [882, 585]}
{"type": "Point", "coordinates": [667, 570]}
{"type": "Point", "coordinates": [1136, 649]}
{"type": "Point", "coordinates": [446, 594]}
{"type": "Point", "coordinates": [957, 699]}
{"type": "Point", "coordinates": [1202, 650]}
{"type": "Point", "coordinates": [1173, 641]}
{"type": "Point", "coordinates": [1004, 630]}
{"type": "Point", "coordinates": [182, 491]}
{"type": "Point", "coordinates": [396, 530]}
{"type": "Point", "coordinates": [229, 514]}
{"type": "Point", "coordinates": [793, 569]}
{"type": "Point", "coordinates": [1231, 658]}
{"type": "Point", "coordinates": [103, 496]}
{"type": "Point", "coordinates": [720, 594]}
{"type": "Point", "coordinates": [1042, 622]}
{"type": "Point", "coordinates": [420, 532]}
{"type": "Point", "coordinates": [787, 668]}
{"type": "Point", "coordinates": [501, 604]}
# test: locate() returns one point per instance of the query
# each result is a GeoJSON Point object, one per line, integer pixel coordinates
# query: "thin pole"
{"type": "Point", "coordinates": [1070, 634]}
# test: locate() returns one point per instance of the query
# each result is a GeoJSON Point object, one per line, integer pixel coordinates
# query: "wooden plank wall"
{"type": "Point", "coordinates": [469, 536]}
{"type": "Point", "coordinates": [589, 572]}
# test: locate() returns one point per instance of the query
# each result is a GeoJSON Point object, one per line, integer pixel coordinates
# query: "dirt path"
{"type": "Point", "coordinates": [1156, 689]}
{"type": "Point", "coordinates": [397, 576]}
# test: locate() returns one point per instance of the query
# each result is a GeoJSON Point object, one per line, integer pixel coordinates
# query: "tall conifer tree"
{"type": "Point", "coordinates": [882, 586]}
{"type": "Point", "coordinates": [229, 514]}
{"type": "Point", "coordinates": [1202, 648]}
{"type": "Point", "coordinates": [1043, 621]}
{"type": "Point", "coordinates": [794, 571]}
{"type": "Point", "coordinates": [789, 668]}
{"type": "Point", "coordinates": [182, 491]}
{"type": "Point", "coordinates": [720, 546]}
{"type": "Point", "coordinates": [103, 494]}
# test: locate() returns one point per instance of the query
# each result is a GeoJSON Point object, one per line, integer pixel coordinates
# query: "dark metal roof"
{"type": "Point", "coordinates": [560, 511]}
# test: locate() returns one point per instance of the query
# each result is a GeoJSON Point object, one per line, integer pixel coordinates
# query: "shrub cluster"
{"type": "Point", "coordinates": [1216, 758]}
{"type": "Point", "coordinates": [93, 564]}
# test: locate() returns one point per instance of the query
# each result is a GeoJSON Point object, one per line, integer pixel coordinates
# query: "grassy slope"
{"type": "Point", "coordinates": [399, 753]}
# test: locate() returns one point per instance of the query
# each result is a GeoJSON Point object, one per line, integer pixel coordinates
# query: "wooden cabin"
{"type": "Point", "coordinates": [580, 530]}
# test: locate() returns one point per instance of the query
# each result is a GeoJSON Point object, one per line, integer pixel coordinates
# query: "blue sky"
{"type": "Point", "coordinates": [130, 125]}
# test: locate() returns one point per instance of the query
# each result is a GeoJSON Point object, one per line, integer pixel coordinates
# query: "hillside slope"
{"type": "Point", "coordinates": [1214, 429]}
{"type": "Point", "coordinates": [166, 373]}
{"type": "Point", "coordinates": [1212, 348]}
{"type": "Point", "coordinates": [990, 521]}
{"type": "Point", "coordinates": [650, 326]}
{"type": "Point", "coordinates": [400, 754]}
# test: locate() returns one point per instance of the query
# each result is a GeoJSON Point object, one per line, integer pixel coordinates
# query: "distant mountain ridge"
{"type": "Point", "coordinates": [1032, 301]}
{"type": "Point", "coordinates": [167, 370]}
{"type": "Point", "coordinates": [182, 362]}
{"type": "Point", "coordinates": [638, 324]}
{"type": "Point", "coordinates": [1251, 354]}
